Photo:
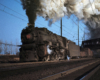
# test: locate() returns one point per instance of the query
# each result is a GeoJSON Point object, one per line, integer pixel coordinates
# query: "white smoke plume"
{"type": "Point", "coordinates": [87, 10]}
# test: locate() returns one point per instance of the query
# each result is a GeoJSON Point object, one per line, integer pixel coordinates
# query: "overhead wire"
{"type": "Point", "coordinates": [12, 10]}
{"type": "Point", "coordinates": [13, 15]}
{"type": "Point", "coordinates": [16, 12]}
{"type": "Point", "coordinates": [24, 16]}
{"type": "Point", "coordinates": [64, 30]}
{"type": "Point", "coordinates": [75, 23]}
{"type": "Point", "coordinates": [18, 17]}
{"type": "Point", "coordinates": [58, 26]}
{"type": "Point", "coordinates": [71, 19]}
{"type": "Point", "coordinates": [67, 28]}
{"type": "Point", "coordinates": [17, 1]}
{"type": "Point", "coordinates": [10, 44]}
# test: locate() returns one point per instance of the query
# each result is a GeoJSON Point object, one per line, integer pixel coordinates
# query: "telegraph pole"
{"type": "Point", "coordinates": [78, 32]}
{"type": "Point", "coordinates": [84, 34]}
{"type": "Point", "coordinates": [61, 26]}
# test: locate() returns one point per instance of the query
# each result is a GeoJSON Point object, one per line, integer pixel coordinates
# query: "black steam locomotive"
{"type": "Point", "coordinates": [42, 44]}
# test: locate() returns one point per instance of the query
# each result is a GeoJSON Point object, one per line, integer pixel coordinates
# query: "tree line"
{"type": "Point", "coordinates": [6, 49]}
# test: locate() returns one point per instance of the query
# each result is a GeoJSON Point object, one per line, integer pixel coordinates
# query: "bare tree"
{"type": "Point", "coordinates": [5, 48]}
{"type": "Point", "coordinates": [11, 48]}
{"type": "Point", "coordinates": [0, 46]}
{"type": "Point", "coordinates": [16, 49]}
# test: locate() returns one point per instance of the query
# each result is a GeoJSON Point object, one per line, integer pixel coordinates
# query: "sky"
{"type": "Point", "coordinates": [13, 19]}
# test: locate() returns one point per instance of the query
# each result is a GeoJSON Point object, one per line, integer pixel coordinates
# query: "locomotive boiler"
{"type": "Point", "coordinates": [42, 44]}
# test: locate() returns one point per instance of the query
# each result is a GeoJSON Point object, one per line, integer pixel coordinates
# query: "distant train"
{"type": "Point", "coordinates": [42, 44]}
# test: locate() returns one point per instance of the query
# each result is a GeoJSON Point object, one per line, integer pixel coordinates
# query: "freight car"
{"type": "Point", "coordinates": [86, 52]}
{"type": "Point", "coordinates": [42, 44]}
{"type": "Point", "coordinates": [94, 45]}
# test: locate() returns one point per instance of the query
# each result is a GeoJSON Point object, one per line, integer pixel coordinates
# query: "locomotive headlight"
{"type": "Point", "coordinates": [28, 36]}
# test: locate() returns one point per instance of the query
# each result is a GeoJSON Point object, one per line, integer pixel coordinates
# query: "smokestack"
{"type": "Point", "coordinates": [31, 7]}
{"type": "Point", "coordinates": [31, 17]}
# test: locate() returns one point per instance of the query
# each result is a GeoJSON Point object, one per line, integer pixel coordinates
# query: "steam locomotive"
{"type": "Point", "coordinates": [42, 44]}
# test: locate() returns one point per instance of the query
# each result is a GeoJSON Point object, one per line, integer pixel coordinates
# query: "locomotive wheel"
{"type": "Point", "coordinates": [47, 58]}
{"type": "Point", "coordinates": [37, 57]}
{"type": "Point", "coordinates": [57, 57]}
{"type": "Point", "coordinates": [54, 56]}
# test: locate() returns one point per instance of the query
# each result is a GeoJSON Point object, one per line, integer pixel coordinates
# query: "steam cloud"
{"type": "Point", "coordinates": [88, 10]}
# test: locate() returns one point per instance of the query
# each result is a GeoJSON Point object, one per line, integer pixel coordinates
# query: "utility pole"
{"type": "Point", "coordinates": [84, 35]}
{"type": "Point", "coordinates": [83, 39]}
{"type": "Point", "coordinates": [61, 26]}
{"type": "Point", "coordinates": [78, 32]}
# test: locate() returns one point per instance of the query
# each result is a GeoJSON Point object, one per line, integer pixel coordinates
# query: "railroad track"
{"type": "Point", "coordinates": [15, 65]}
{"type": "Point", "coordinates": [78, 73]}
{"type": "Point", "coordinates": [36, 71]}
